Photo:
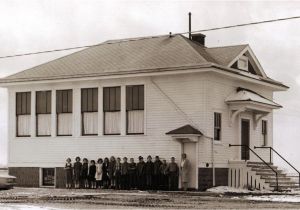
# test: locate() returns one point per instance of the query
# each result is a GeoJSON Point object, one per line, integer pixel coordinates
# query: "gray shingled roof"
{"type": "Point", "coordinates": [129, 55]}
{"type": "Point", "coordinates": [186, 129]}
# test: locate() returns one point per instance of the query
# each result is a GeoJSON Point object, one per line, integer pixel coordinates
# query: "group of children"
{"type": "Point", "coordinates": [114, 174]}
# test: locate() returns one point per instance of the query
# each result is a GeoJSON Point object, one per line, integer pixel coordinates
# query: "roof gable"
{"type": "Point", "coordinates": [186, 129]}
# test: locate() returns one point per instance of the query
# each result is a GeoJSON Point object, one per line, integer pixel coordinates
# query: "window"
{"type": "Point", "coordinates": [243, 63]}
{"type": "Point", "coordinates": [23, 111]}
{"type": "Point", "coordinates": [64, 112]}
{"type": "Point", "coordinates": [89, 111]}
{"type": "Point", "coordinates": [48, 177]}
{"type": "Point", "coordinates": [135, 109]}
{"type": "Point", "coordinates": [217, 126]}
{"type": "Point", "coordinates": [111, 108]}
{"type": "Point", "coordinates": [43, 113]}
{"type": "Point", "coordinates": [264, 131]}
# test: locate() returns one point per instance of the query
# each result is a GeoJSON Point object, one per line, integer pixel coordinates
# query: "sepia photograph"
{"type": "Point", "coordinates": [149, 104]}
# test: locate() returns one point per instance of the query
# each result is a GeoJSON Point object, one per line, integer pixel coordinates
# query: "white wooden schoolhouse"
{"type": "Point", "coordinates": [163, 95]}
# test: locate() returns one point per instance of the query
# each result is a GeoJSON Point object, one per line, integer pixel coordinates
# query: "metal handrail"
{"type": "Point", "coordinates": [276, 173]}
{"type": "Point", "coordinates": [272, 149]}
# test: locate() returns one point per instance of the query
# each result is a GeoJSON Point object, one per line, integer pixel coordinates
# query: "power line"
{"type": "Point", "coordinates": [204, 30]}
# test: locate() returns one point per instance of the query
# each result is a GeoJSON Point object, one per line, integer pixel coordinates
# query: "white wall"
{"type": "Point", "coordinates": [197, 95]}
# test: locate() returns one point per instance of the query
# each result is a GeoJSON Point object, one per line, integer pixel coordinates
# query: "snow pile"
{"type": "Point", "coordinates": [275, 198]}
{"type": "Point", "coordinates": [226, 189]}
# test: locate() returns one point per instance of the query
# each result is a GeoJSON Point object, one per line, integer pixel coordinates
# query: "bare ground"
{"type": "Point", "coordinates": [108, 199]}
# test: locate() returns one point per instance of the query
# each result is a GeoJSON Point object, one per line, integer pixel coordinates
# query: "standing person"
{"type": "Point", "coordinates": [118, 174]}
{"type": "Point", "coordinates": [164, 179]}
{"type": "Point", "coordinates": [124, 174]}
{"type": "Point", "coordinates": [173, 171]}
{"type": "Point", "coordinates": [111, 172]}
{"type": "Point", "coordinates": [84, 173]}
{"type": "Point", "coordinates": [156, 173]}
{"type": "Point", "coordinates": [132, 174]}
{"type": "Point", "coordinates": [99, 173]}
{"type": "Point", "coordinates": [140, 172]}
{"type": "Point", "coordinates": [77, 172]}
{"type": "Point", "coordinates": [185, 170]}
{"type": "Point", "coordinates": [69, 173]}
{"type": "Point", "coordinates": [105, 178]}
{"type": "Point", "coordinates": [149, 166]}
{"type": "Point", "coordinates": [92, 173]}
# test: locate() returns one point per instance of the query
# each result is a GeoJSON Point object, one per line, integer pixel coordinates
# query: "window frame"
{"type": "Point", "coordinates": [216, 127]}
{"type": "Point", "coordinates": [110, 110]}
{"type": "Point", "coordinates": [27, 109]}
{"type": "Point", "coordinates": [264, 132]}
{"type": "Point", "coordinates": [132, 108]}
{"type": "Point", "coordinates": [95, 107]}
{"type": "Point", "coordinates": [42, 177]}
{"type": "Point", "coordinates": [62, 108]}
{"type": "Point", "coordinates": [46, 112]}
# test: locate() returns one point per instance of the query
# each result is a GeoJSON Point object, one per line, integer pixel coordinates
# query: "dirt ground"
{"type": "Point", "coordinates": [46, 199]}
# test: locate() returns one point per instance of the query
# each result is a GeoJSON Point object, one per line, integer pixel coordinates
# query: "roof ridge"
{"type": "Point", "coordinates": [237, 45]}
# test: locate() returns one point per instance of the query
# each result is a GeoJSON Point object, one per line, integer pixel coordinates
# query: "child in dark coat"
{"type": "Point", "coordinates": [156, 173]}
{"type": "Point", "coordinates": [69, 173]}
{"type": "Point", "coordinates": [149, 166]}
{"type": "Point", "coordinates": [105, 177]}
{"type": "Point", "coordinates": [140, 172]}
{"type": "Point", "coordinates": [117, 174]}
{"type": "Point", "coordinates": [92, 173]}
{"type": "Point", "coordinates": [132, 174]}
{"type": "Point", "coordinates": [164, 179]}
{"type": "Point", "coordinates": [173, 171]}
{"type": "Point", "coordinates": [111, 172]}
{"type": "Point", "coordinates": [124, 174]}
{"type": "Point", "coordinates": [84, 173]}
{"type": "Point", "coordinates": [77, 172]}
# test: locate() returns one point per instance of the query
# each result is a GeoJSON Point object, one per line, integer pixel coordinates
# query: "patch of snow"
{"type": "Point", "coordinates": [225, 189]}
{"type": "Point", "coordinates": [275, 198]}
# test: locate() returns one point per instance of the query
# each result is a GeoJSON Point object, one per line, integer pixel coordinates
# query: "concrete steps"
{"type": "Point", "coordinates": [285, 183]}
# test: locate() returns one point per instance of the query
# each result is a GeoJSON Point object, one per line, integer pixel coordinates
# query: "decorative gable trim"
{"type": "Point", "coordinates": [253, 61]}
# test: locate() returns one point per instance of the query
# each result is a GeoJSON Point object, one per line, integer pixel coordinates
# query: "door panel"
{"type": "Point", "coordinates": [245, 139]}
{"type": "Point", "coordinates": [190, 150]}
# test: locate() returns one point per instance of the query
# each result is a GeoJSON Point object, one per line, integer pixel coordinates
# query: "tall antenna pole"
{"type": "Point", "coordinates": [190, 25]}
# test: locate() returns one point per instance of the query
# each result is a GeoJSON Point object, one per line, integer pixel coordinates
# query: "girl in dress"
{"type": "Point", "coordinates": [105, 178]}
{"type": "Point", "coordinates": [77, 172]}
{"type": "Point", "coordinates": [84, 173]}
{"type": "Point", "coordinates": [69, 174]}
{"type": "Point", "coordinates": [99, 173]}
{"type": "Point", "coordinates": [92, 173]}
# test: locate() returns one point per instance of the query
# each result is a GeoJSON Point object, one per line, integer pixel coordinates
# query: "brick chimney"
{"type": "Point", "coordinates": [199, 38]}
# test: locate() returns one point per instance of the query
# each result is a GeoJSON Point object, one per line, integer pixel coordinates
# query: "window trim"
{"type": "Point", "coordinates": [264, 135]}
{"type": "Point", "coordinates": [26, 113]}
{"type": "Point", "coordinates": [36, 114]}
{"type": "Point", "coordinates": [220, 127]}
{"type": "Point", "coordinates": [41, 181]}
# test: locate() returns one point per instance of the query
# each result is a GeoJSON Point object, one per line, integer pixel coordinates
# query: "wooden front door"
{"type": "Point", "coordinates": [245, 139]}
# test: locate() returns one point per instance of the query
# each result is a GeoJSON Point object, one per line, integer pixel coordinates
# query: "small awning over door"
{"type": "Point", "coordinates": [243, 100]}
{"type": "Point", "coordinates": [186, 133]}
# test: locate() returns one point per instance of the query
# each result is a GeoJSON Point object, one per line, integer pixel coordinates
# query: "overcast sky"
{"type": "Point", "coordinates": [37, 25]}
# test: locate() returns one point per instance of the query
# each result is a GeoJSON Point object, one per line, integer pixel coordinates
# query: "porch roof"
{"type": "Point", "coordinates": [186, 129]}
{"type": "Point", "coordinates": [244, 96]}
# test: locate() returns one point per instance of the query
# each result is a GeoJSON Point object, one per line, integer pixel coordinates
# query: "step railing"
{"type": "Point", "coordinates": [246, 146]}
{"type": "Point", "coordinates": [273, 150]}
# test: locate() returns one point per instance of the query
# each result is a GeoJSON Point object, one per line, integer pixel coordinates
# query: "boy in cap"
{"type": "Point", "coordinates": [132, 174]}
{"type": "Point", "coordinates": [124, 174]}
{"type": "Point", "coordinates": [173, 171]}
{"type": "Point", "coordinates": [140, 169]}
{"type": "Point", "coordinates": [149, 166]}
{"type": "Point", "coordinates": [156, 173]}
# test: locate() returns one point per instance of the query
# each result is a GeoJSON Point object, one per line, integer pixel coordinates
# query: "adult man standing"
{"type": "Point", "coordinates": [185, 169]}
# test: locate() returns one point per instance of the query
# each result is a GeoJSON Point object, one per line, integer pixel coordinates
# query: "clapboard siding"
{"type": "Point", "coordinates": [196, 95]}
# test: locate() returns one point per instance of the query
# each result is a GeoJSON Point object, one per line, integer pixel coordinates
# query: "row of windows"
{"type": "Point", "coordinates": [89, 110]}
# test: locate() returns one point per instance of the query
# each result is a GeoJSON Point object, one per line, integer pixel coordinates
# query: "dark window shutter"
{"type": "Point", "coordinates": [95, 100]}
{"type": "Point", "coordinates": [59, 101]}
{"type": "Point", "coordinates": [84, 100]}
{"type": "Point", "coordinates": [48, 102]}
{"type": "Point", "coordinates": [141, 97]}
{"type": "Point", "coordinates": [135, 97]}
{"type": "Point", "coordinates": [19, 103]}
{"type": "Point", "coordinates": [129, 98]}
{"type": "Point", "coordinates": [118, 99]}
{"type": "Point", "coordinates": [28, 102]}
{"type": "Point", "coordinates": [70, 101]}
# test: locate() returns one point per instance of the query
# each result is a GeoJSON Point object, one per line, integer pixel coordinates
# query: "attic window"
{"type": "Point", "coordinates": [243, 63]}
